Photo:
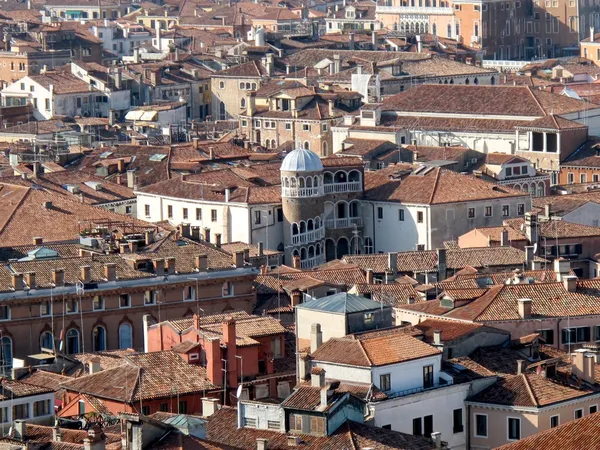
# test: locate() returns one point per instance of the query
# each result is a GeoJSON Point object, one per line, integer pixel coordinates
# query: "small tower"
{"type": "Point", "coordinates": [302, 198]}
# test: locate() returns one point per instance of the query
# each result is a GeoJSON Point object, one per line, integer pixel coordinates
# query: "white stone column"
{"type": "Point", "coordinates": [530, 136]}
{"type": "Point", "coordinates": [545, 142]}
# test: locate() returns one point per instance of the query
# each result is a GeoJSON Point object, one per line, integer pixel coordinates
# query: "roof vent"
{"type": "Point", "coordinates": [47, 205]}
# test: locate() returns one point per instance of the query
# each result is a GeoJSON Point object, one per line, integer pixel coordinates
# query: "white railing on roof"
{"type": "Point", "coordinates": [346, 222]}
{"type": "Point", "coordinates": [309, 236]}
{"type": "Point", "coordinates": [351, 186]}
{"type": "Point", "coordinates": [302, 192]}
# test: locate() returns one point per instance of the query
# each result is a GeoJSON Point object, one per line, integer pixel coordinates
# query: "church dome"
{"type": "Point", "coordinates": [301, 160]}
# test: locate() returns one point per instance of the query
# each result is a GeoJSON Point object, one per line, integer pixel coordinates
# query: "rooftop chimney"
{"type": "Point", "coordinates": [201, 262]}
{"type": "Point", "coordinates": [110, 271]}
{"type": "Point", "coordinates": [38, 240]}
{"type": "Point", "coordinates": [562, 268]}
{"type": "Point", "coordinates": [218, 240]}
{"type": "Point", "coordinates": [570, 283]}
{"type": "Point", "coordinates": [520, 366]}
{"type": "Point", "coordinates": [531, 230]}
{"type": "Point", "coordinates": [238, 259]}
{"type": "Point", "coordinates": [442, 267]}
{"type": "Point", "coordinates": [437, 337]}
{"type": "Point", "coordinates": [393, 263]}
{"type": "Point", "coordinates": [260, 249]}
{"type": "Point", "coordinates": [529, 256]}
{"type": "Point", "coordinates": [171, 265]}
{"type": "Point", "coordinates": [30, 279]}
{"type": "Point", "coordinates": [504, 238]}
{"type": "Point", "coordinates": [17, 281]}
{"type": "Point", "coordinates": [159, 266]}
{"type": "Point", "coordinates": [58, 277]}
{"type": "Point", "coordinates": [296, 298]}
{"type": "Point", "coordinates": [85, 274]}
{"type": "Point", "coordinates": [583, 366]}
{"type": "Point", "coordinates": [209, 406]}
{"type": "Point", "coordinates": [324, 397]}
{"type": "Point", "coordinates": [316, 337]}
{"type": "Point", "coordinates": [525, 308]}
{"type": "Point", "coordinates": [56, 434]}
{"type": "Point", "coordinates": [262, 444]}
{"type": "Point", "coordinates": [20, 428]}
{"type": "Point", "coordinates": [369, 276]}
{"type": "Point", "coordinates": [148, 237]}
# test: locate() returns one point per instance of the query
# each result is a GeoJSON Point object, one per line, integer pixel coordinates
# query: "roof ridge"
{"type": "Point", "coordinates": [435, 184]}
{"type": "Point", "coordinates": [530, 390]}
{"type": "Point", "coordinates": [360, 343]}
{"type": "Point", "coordinates": [535, 99]}
{"type": "Point", "coordinates": [17, 206]}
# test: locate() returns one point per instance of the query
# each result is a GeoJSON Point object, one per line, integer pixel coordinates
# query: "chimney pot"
{"type": "Point", "coordinates": [171, 265]}
{"type": "Point", "coordinates": [86, 274]}
{"type": "Point", "coordinates": [58, 277]}
{"type": "Point", "coordinates": [570, 283]}
{"type": "Point", "coordinates": [369, 276]}
{"type": "Point", "coordinates": [316, 337]}
{"type": "Point", "coordinates": [437, 337]}
{"type": "Point", "coordinates": [38, 240]}
{"type": "Point", "coordinates": [201, 262]}
{"type": "Point", "coordinates": [30, 279]}
{"type": "Point", "coordinates": [520, 366]}
{"type": "Point", "coordinates": [17, 281]}
{"type": "Point", "coordinates": [110, 271]}
{"type": "Point", "coordinates": [525, 308]}
{"type": "Point", "coordinates": [238, 259]}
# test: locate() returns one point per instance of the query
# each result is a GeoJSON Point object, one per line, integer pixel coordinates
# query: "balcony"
{"type": "Point", "coordinates": [347, 222]}
{"type": "Point", "coordinates": [427, 10]}
{"type": "Point", "coordinates": [351, 186]}
{"type": "Point", "coordinates": [301, 192]}
{"type": "Point", "coordinates": [308, 237]}
{"type": "Point", "coordinates": [312, 262]}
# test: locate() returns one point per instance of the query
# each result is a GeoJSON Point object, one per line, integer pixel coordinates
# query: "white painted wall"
{"type": "Point", "coordinates": [346, 373]}
{"type": "Point", "coordinates": [587, 214]}
{"type": "Point", "coordinates": [47, 419]}
{"type": "Point", "coordinates": [332, 325]}
{"type": "Point", "coordinates": [400, 412]}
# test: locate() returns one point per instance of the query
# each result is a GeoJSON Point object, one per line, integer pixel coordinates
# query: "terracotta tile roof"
{"type": "Point", "coordinates": [585, 156]}
{"type": "Point", "coordinates": [64, 83]}
{"type": "Point", "coordinates": [426, 261]}
{"type": "Point", "coordinates": [45, 379]}
{"type": "Point", "coordinates": [308, 398]}
{"type": "Point", "coordinates": [482, 100]}
{"type": "Point", "coordinates": [16, 389]}
{"type": "Point", "coordinates": [366, 351]}
{"type": "Point", "coordinates": [552, 122]}
{"type": "Point", "coordinates": [222, 428]}
{"type": "Point", "coordinates": [529, 390]}
{"type": "Point", "coordinates": [472, 370]}
{"type": "Point", "coordinates": [450, 329]}
{"type": "Point", "coordinates": [563, 204]}
{"type": "Point", "coordinates": [581, 433]}
{"type": "Point", "coordinates": [557, 229]}
{"type": "Point", "coordinates": [431, 186]}
{"type": "Point", "coordinates": [43, 434]}
{"type": "Point", "coordinates": [392, 294]}
{"type": "Point", "coordinates": [251, 69]}
{"type": "Point", "coordinates": [179, 441]}
{"type": "Point", "coordinates": [144, 376]}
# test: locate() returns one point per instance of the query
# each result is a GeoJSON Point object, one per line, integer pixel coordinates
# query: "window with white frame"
{"type": "Point", "coordinates": [514, 429]}
{"type": "Point", "coordinates": [227, 289]}
{"type": "Point", "coordinates": [578, 413]}
{"type": "Point", "coordinates": [189, 293]}
{"type": "Point", "coordinates": [481, 425]}
{"type": "Point", "coordinates": [554, 421]}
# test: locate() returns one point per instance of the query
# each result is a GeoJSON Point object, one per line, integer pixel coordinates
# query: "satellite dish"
{"type": "Point", "coordinates": [238, 394]}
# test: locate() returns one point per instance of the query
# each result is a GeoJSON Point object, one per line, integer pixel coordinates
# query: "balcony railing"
{"type": "Point", "coordinates": [416, 390]}
{"type": "Point", "coordinates": [347, 222]}
{"type": "Point", "coordinates": [351, 186]}
{"type": "Point", "coordinates": [302, 192]}
{"type": "Point", "coordinates": [312, 262]}
{"type": "Point", "coordinates": [309, 236]}
{"type": "Point", "coordinates": [415, 10]}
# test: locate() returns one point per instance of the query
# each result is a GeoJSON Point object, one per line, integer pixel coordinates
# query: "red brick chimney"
{"type": "Point", "coordinates": [231, 349]}
{"type": "Point", "coordinates": [214, 365]}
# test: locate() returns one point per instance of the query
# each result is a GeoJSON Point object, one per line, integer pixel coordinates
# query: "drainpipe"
{"type": "Point", "coordinates": [373, 220]}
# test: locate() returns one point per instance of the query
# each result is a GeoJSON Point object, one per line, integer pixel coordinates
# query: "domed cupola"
{"type": "Point", "coordinates": [301, 174]}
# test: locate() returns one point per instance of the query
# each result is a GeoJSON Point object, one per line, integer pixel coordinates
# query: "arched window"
{"type": "Point", "coordinates": [476, 29]}
{"type": "Point", "coordinates": [301, 182]}
{"type": "Point", "coordinates": [340, 177]}
{"type": "Point", "coordinates": [306, 145]}
{"type": "Point", "coordinates": [242, 85]}
{"type": "Point", "coordinates": [541, 190]}
{"type": "Point", "coordinates": [354, 209]}
{"type": "Point", "coordinates": [302, 227]}
{"type": "Point", "coordinates": [125, 336]}
{"type": "Point", "coordinates": [467, 81]}
{"type": "Point", "coordinates": [293, 182]}
{"type": "Point", "coordinates": [273, 143]}
{"type": "Point", "coordinates": [318, 250]}
{"type": "Point", "coordinates": [310, 226]}
{"type": "Point", "coordinates": [243, 102]}
{"type": "Point", "coordinates": [475, 81]}
{"type": "Point", "coordinates": [99, 339]}
{"type": "Point", "coordinates": [492, 81]}
{"type": "Point", "coordinates": [316, 181]}
{"type": "Point", "coordinates": [294, 229]}
{"type": "Point", "coordinates": [227, 289]}
{"type": "Point", "coordinates": [458, 29]}
{"type": "Point", "coordinates": [328, 178]}
{"type": "Point", "coordinates": [222, 113]}
{"type": "Point", "coordinates": [47, 340]}
{"type": "Point", "coordinates": [311, 252]}
{"type": "Point", "coordinates": [72, 341]}
{"type": "Point", "coordinates": [368, 245]}
{"type": "Point", "coordinates": [449, 30]}
{"type": "Point", "coordinates": [302, 254]}
{"type": "Point", "coordinates": [325, 148]}
{"type": "Point", "coordinates": [6, 352]}
{"type": "Point", "coordinates": [317, 223]}
{"type": "Point", "coordinates": [295, 253]}
{"type": "Point", "coordinates": [309, 182]}
{"type": "Point", "coordinates": [434, 29]}
{"type": "Point", "coordinates": [354, 176]}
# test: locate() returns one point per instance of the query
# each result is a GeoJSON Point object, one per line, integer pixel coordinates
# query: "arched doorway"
{"type": "Point", "coordinates": [342, 247]}
{"type": "Point", "coordinates": [330, 250]}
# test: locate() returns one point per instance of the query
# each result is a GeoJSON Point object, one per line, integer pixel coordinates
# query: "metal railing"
{"type": "Point", "coordinates": [416, 390]}
{"type": "Point", "coordinates": [346, 222]}
{"type": "Point", "coordinates": [302, 192]}
{"type": "Point", "coordinates": [309, 236]}
{"type": "Point", "coordinates": [415, 10]}
{"type": "Point", "coordinates": [350, 186]}
{"type": "Point", "coordinates": [312, 262]}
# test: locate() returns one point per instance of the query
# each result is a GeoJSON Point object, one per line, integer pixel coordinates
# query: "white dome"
{"type": "Point", "coordinates": [301, 160]}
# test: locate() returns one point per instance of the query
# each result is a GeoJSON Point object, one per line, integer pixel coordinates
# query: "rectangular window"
{"type": "Point", "coordinates": [514, 429]}
{"type": "Point", "coordinates": [47, 104]}
{"type": "Point", "coordinates": [324, 128]}
{"type": "Point", "coordinates": [198, 213]}
{"type": "Point", "coordinates": [296, 422]}
{"type": "Point", "coordinates": [593, 409]}
{"type": "Point", "coordinates": [481, 425]}
{"type": "Point", "coordinates": [427, 377]}
{"type": "Point", "coordinates": [72, 306]}
{"type": "Point", "coordinates": [369, 317]}
{"type": "Point", "coordinates": [520, 209]}
{"type": "Point", "coordinates": [575, 335]}
{"type": "Point", "coordinates": [145, 410]}
{"type": "Point", "coordinates": [147, 210]}
{"type": "Point", "coordinates": [317, 425]}
{"type": "Point", "coordinates": [417, 427]}
{"type": "Point", "coordinates": [288, 126]}
{"type": "Point", "coordinates": [41, 408]}
{"type": "Point", "coordinates": [419, 216]}
{"type": "Point", "coordinates": [124, 301]}
{"type": "Point", "coordinates": [401, 215]}
{"type": "Point", "coordinates": [379, 212]}
{"type": "Point", "coordinates": [182, 407]}
{"type": "Point", "coordinates": [150, 297]}
{"type": "Point", "coordinates": [213, 215]}
{"type": "Point", "coordinates": [427, 425]}
{"type": "Point", "coordinates": [4, 312]}
{"type": "Point", "coordinates": [488, 211]}
{"type": "Point", "coordinates": [547, 336]}
{"type": "Point", "coordinates": [457, 421]}
{"type": "Point", "coordinates": [305, 127]}
{"type": "Point", "coordinates": [570, 178]}
{"type": "Point", "coordinates": [98, 303]}
{"type": "Point", "coordinates": [169, 211]}
{"type": "Point", "coordinates": [471, 213]}
{"type": "Point", "coordinates": [578, 413]}
{"type": "Point", "coordinates": [164, 407]}
{"type": "Point", "coordinates": [45, 309]}
{"type": "Point", "coordinates": [21, 411]}
{"type": "Point", "coordinates": [505, 210]}
{"type": "Point", "coordinates": [508, 171]}
{"type": "Point", "coordinates": [385, 382]}
{"type": "Point", "coordinates": [279, 215]}
{"type": "Point", "coordinates": [4, 414]}
{"type": "Point", "coordinates": [185, 213]}
{"type": "Point", "coordinates": [554, 421]}
{"type": "Point", "coordinates": [257, 216]}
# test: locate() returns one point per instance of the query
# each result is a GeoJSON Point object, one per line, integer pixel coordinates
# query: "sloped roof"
{"type": "Point", "coordinates": [341, 303]}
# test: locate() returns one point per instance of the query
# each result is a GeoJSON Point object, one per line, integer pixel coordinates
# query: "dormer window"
{"type": "Point", "coordinates": [350, 14]}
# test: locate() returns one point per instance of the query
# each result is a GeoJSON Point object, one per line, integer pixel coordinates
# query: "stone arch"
{"type": "Point", "coordinates": [340, 176]}
{"type": "Point", "coordinates": [330, 250]}
{"type": "Point", "coordinates": [327, 178]}
{"type": "Point", "coordinates": [342, 247]}
{"type": "Point", "coordinates": [354, 175]}
{"type": "Point", "coordinates": [294, 229]}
